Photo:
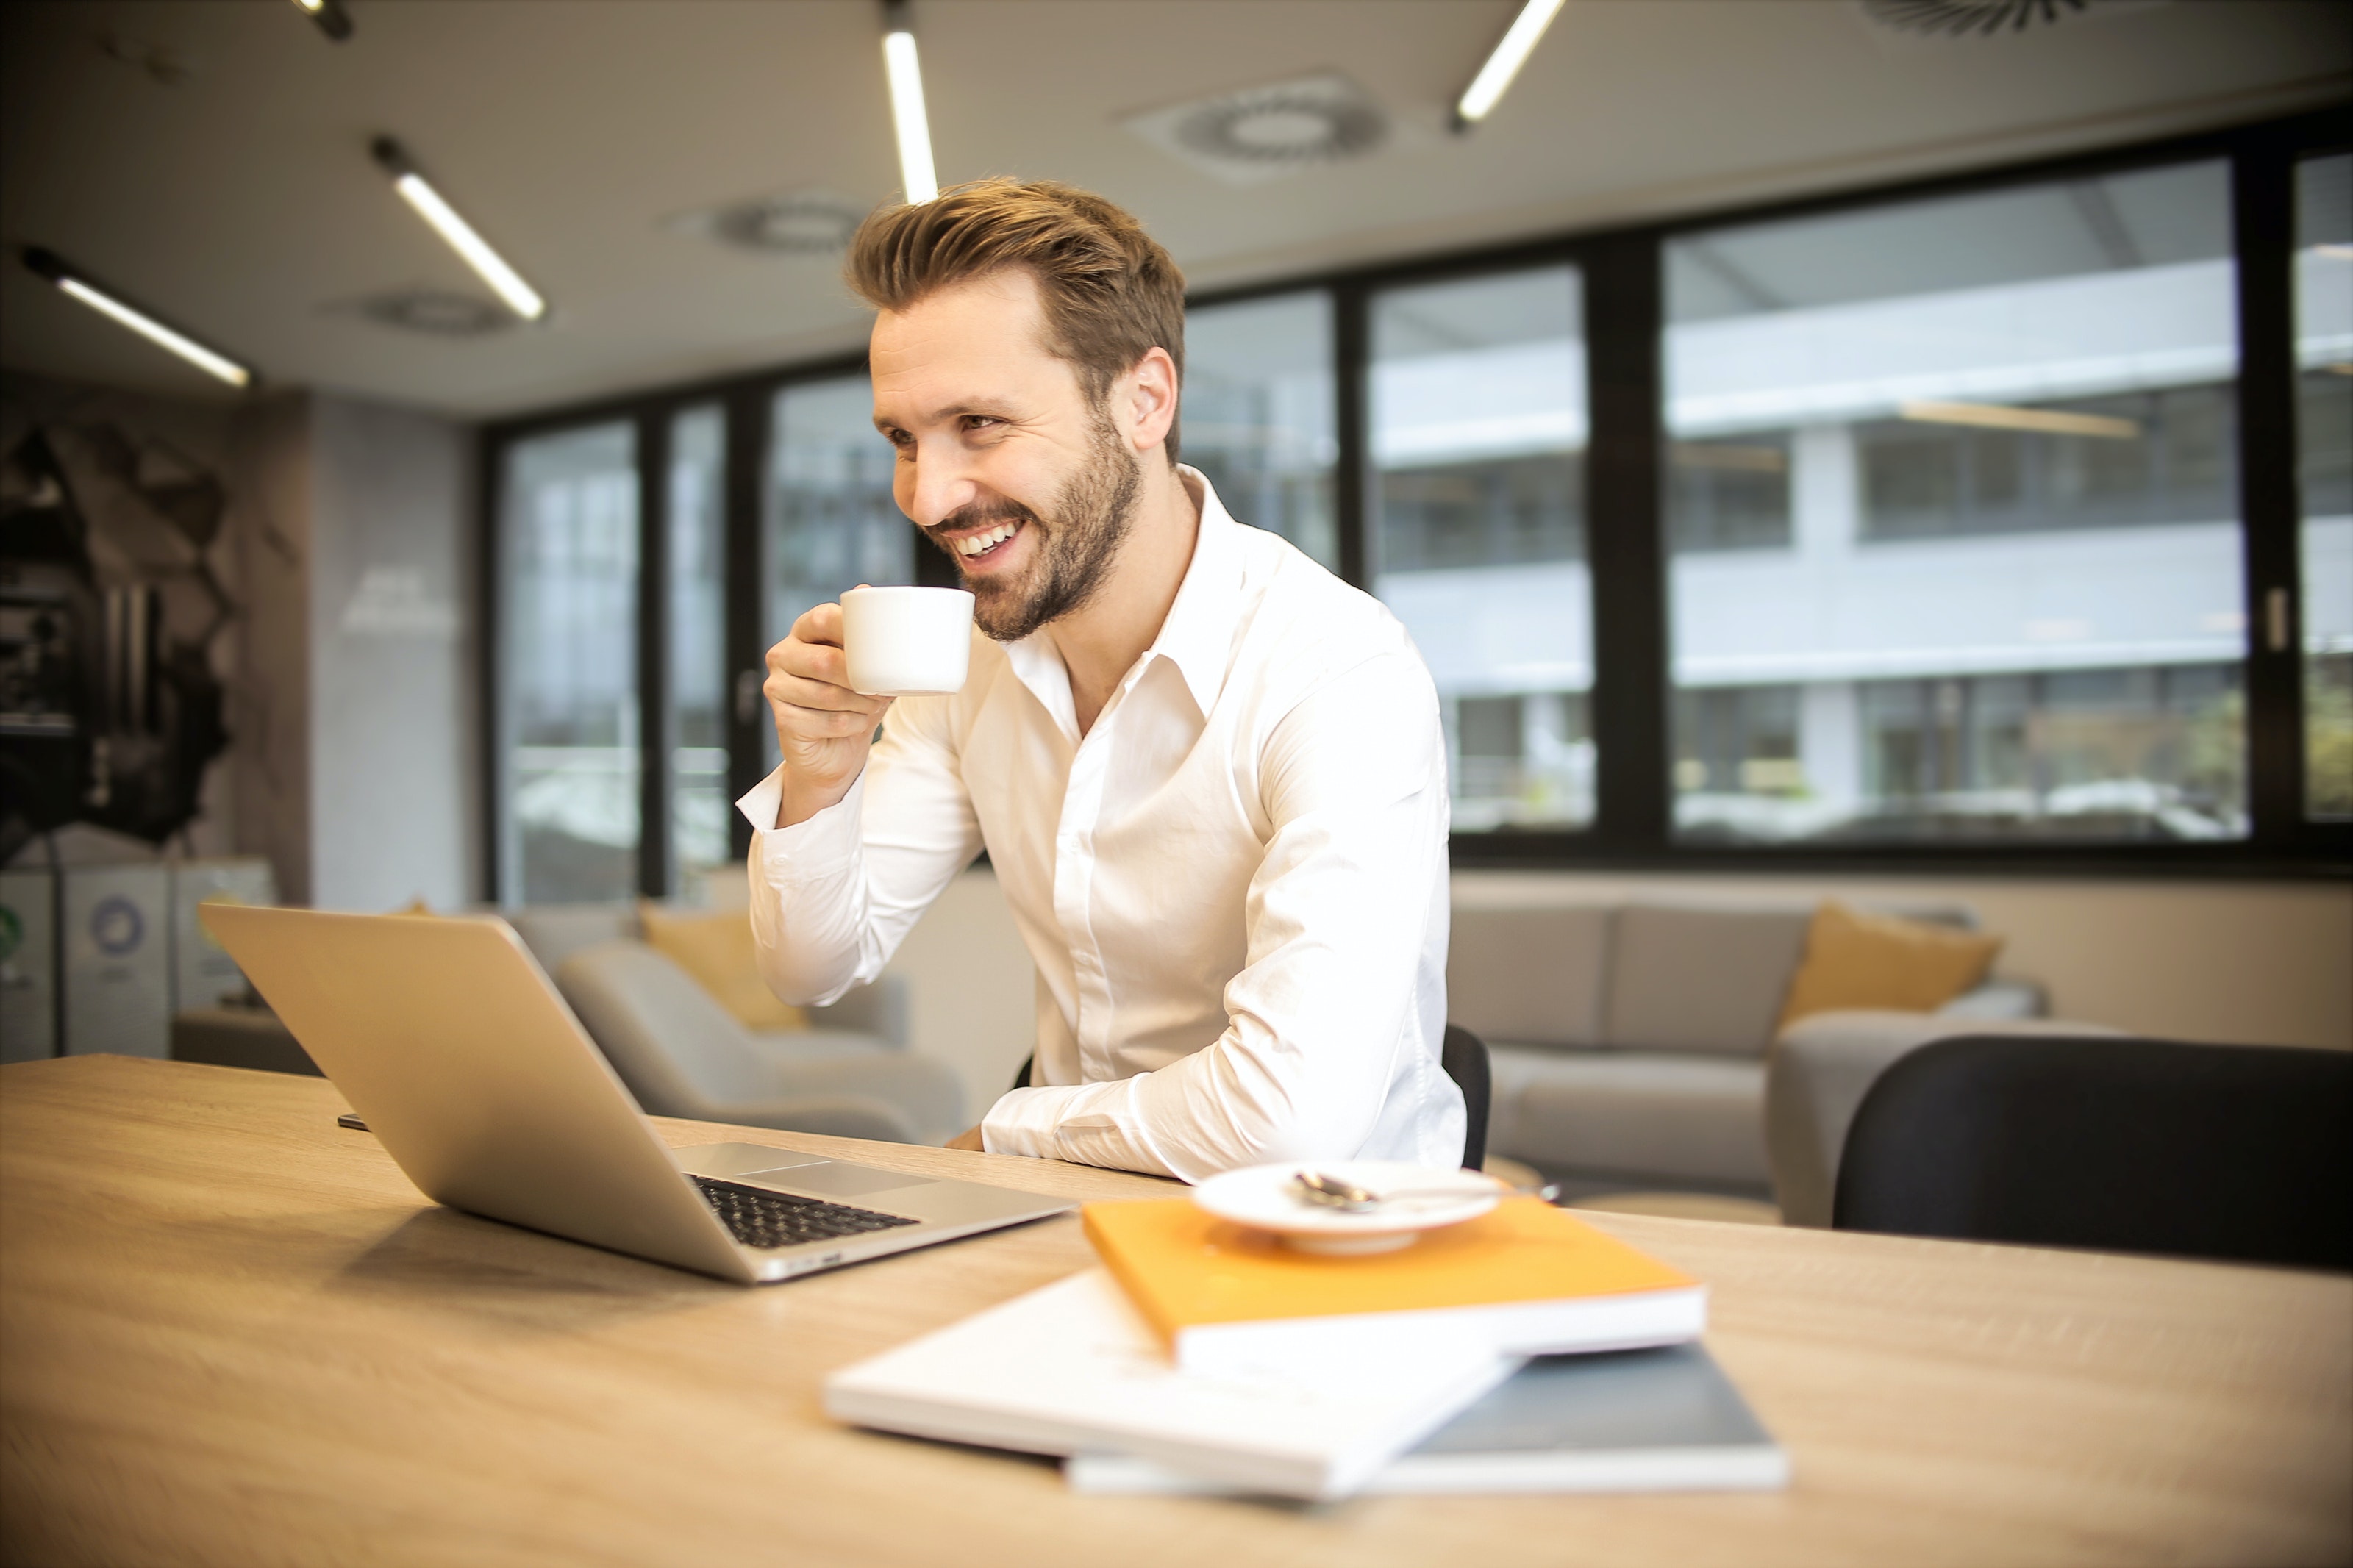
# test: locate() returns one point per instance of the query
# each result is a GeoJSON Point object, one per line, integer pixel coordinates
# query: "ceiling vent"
{"type": "Point", "coordinates": [1266, 132]}
{"type": "Point", "coordinates": [435, 313]}
{"type": "Point", "coordinates": [1983, 18]}
{"type": "Point", "coordinates": [798, 223]}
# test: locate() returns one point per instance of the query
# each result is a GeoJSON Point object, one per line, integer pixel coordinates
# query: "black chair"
{"type": "Point", "coordinates": [1463, 1055]}
{"type": "Point", "coordinates": [2238, 1152]}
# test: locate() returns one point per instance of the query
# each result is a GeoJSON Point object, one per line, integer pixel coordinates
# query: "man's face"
{"type": "Point", "coordinates": [1003, 460]}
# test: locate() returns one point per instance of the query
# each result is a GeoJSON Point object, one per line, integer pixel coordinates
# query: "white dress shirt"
{"type": "Point", "coordinates": [1234, 885]}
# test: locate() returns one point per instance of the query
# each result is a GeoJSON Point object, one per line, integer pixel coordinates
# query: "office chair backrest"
{"type": "Point", "coordinates": [1463, 1055]}
{"type": "Point", "coordinates": [2240, 1153]}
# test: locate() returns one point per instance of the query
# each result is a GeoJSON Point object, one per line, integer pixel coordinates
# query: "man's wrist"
{"type": "Point", "coordinates": [800, 799]}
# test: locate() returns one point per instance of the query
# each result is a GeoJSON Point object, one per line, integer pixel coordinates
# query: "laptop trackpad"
{"type": "Point", "coordinates": [837, 1180]}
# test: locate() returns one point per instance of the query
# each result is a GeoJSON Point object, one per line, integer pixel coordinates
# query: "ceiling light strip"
{"type": "Point", "coordinates": [333, 19]}
{"type": "Point", "coordinates": [435, 209]}
{"type": "Point", "coordinates": [1494, 78]}
{"type": "Point", "coordinates": [917, 176]}
{"type": "Point", "coordinates": [77, 286]}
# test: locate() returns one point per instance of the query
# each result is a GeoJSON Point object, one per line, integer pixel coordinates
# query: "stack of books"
{"type": "Point", "coordinates": [1523, 1350]}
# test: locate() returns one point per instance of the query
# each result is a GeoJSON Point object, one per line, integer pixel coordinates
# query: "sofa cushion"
{"type": "Point", "coordinates": [1634, 1113]}
{"type": "Point", "coordinates": [554, 933]}
{"type": "Point", "coordinates": [1531, 975]}
{"type": "Point", "coordinates": [718, 948]}
{"type": "Point", "coordinates": [1705, 979]}
{"type": "Point", "coordinates": [1870, 961]}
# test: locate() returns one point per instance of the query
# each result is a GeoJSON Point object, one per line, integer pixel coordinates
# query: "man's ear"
{"type": "Point", "coordinates": [1143, 401]}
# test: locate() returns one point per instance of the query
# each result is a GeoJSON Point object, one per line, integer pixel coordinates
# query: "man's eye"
{"type": "Point", "coordinates": [980, 421]}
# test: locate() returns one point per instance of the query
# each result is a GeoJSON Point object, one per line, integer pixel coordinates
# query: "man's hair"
{"type": "Point", "coordinates": [1111, 294]}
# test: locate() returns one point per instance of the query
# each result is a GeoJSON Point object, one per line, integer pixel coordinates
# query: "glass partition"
{"type": "Point", "coordinates": [568, 722]}
{"type": "Point", "coordinates": [2324, 358]}
{"type": "Point", "coordinates": [1478, 443]}
{"type": "Point", "coordinates": [695, 747]}
{"type": "Point", "coordinates": [1258, 415]}
{"type": "Point", "coordinates": [1953, 519]}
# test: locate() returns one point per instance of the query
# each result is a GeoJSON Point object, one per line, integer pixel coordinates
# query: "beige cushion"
{"type": "Point", "coordinates": [1883, 961]}
{"type": "Point", "coordinates": [1703, 980]}
{"type": "Point", "coordinates": [718, 951]}
{"type": "Point", "coordinates": [1532, 976]}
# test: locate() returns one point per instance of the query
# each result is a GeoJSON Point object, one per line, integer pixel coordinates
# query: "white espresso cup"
{"type": "Point", "coordinates": [901, 641]}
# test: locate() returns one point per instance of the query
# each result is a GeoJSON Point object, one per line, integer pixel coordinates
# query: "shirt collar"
{"type": "Point", "coordinates": [1197, 636]}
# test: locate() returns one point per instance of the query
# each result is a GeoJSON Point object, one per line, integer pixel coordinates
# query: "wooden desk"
{"type": "Point", "coordinates": [232, 1332]}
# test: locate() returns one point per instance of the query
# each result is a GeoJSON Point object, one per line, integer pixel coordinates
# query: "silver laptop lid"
{"type": "Point", "coordinates": [462, 1058]}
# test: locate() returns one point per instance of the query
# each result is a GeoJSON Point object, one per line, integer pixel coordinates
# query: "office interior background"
{"type": "Point", "coordinates": [1817, 455]}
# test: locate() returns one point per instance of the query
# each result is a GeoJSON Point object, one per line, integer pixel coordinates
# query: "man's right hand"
{"type": "Point", "coordinates": [823, 728]}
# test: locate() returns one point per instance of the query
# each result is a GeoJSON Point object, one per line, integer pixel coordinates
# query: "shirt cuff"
{"type": "Point", "coordinates": [826, 842]}
{"type": "Point", "coordinates": [1084, 1123]}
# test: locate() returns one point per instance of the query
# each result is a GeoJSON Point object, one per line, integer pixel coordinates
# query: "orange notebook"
{"type": "Point", "coordinates": [1527, 1278]}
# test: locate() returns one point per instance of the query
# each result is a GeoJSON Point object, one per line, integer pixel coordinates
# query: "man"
{"type": "Point", "coordinates": [1209, 775]}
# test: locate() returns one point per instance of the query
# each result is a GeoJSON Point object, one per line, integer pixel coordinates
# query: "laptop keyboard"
{"type": "Point", "coordinates": [758, 1217]}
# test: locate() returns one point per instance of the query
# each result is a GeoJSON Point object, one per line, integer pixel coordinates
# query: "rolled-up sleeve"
{"type": "Point", "coordinates": [834, 896]}
{"type": "Point", "coordinates": [1333, 1013]}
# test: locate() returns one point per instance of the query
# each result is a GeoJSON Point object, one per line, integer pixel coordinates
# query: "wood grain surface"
{"type": "Point", "coordinates": [232, 1333]}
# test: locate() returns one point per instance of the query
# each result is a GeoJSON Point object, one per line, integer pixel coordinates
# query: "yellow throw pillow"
{"type": "Point", "coordinates": [1854, 959]}
{"type": "Point", "coordinates": [717, 949]}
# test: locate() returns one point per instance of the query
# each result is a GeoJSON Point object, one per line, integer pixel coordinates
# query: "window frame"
{"type": "Point", "coordinates": [1631, 697]}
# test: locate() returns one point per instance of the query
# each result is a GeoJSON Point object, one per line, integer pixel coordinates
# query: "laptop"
{"type": "Point", "coordinates": [460, 1055]}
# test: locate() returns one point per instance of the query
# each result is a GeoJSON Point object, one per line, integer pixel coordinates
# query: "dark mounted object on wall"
{"type": "Point", "coordinates": [2239, 1153]}
{"type": "Point", "coordinates": [333, 19]}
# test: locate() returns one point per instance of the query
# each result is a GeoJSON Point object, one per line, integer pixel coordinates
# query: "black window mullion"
{"type": "Point", "coordinates": [1624, 547]}
{"type": "Point", "coordinates": [491, 526]}
{"type": "Point", "coordinates": [656, 718]}
{"type": "Point", "coordinates": [2262, 199]}
{"type": "Point", "coordinates": [1352, 418]}
{"type": "Point", "coordinates": [746, 457]}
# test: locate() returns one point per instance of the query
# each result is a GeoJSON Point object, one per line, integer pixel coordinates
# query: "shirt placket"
{"type": "Point", "coordinates": [1074, 873]}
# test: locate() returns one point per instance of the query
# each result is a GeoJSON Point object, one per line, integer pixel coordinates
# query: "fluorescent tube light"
{"type": "Point", "coordinates": [333, 19]}
{"type": "Point", "coordinates": [2001, 416]}
{"type": "Point", "coordinates": [917, 177]}
{"type": "Point", "coordinates": [418, 192]}
{"type": "Point", "coordinates": [1487, 89]}
{"type": "Point", "coordinates": [75, 285]}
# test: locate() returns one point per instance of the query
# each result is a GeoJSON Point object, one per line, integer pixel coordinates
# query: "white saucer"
{"type": "Point", "coordinates": [1261, 1197]}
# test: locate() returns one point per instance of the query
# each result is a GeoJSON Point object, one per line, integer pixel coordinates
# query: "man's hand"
{"type": "Point", "coordinates": [969, 1140]}
{"type": "Point", "coordinates": [823, 728]}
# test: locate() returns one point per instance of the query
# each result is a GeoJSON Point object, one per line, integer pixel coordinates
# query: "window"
{"type": "Point", "coordinates": [1478, 446]}
{"type": "Point", "coordinates": [695, 743]}
{"type": "Point", "coordinates": [1910, 527]}
{"type": "Point", "coordinates": [1258, 416]}
{"type": "Point", "coordinates": [568, 723]}
{"type": "Point", "coordinates": [2324, 358]}
{"type": "Point", "coordinates": [1953, 509]}
{"type": "Point", "coordinates": [830, 520]}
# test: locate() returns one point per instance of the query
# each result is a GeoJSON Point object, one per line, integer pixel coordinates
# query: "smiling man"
{"type": "Point", "coordinates": [1209, 775]}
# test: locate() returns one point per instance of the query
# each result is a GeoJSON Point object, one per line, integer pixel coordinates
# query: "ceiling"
{"type": "Point", "coordinates": [209, 157]}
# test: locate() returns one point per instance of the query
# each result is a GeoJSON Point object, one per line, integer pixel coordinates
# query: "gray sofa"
{"type": "Point", "coordinates": [1629, 1040]}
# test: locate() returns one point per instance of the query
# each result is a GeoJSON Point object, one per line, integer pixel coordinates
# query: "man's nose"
{"type": "Point", "coordinates": [941, 483]}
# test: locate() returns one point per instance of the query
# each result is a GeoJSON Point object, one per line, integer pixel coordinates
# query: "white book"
{"type": "Point", "coordinates": [1072, 1368]}
{"type": "Point", "coordinates": [1632, 1421]}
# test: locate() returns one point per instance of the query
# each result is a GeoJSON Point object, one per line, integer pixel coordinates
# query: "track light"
{"type": "Point", "coordinates": [917, 177]}
{"type": "Point", "coordinates": [79, 284]}
{"type": "Point", "coordinates": [333, 19]}
{"type": "Point", "coordinates": [1487, 89]}
{"type": "Point", "coordinates": [418, 192]}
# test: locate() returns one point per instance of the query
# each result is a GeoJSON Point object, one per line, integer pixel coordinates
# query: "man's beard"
{"type": "Point", "coordinates": [1071, 555]}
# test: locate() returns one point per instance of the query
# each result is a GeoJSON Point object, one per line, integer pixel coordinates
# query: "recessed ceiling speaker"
{"type": "Point", "coordinates": [434, 312]}
{"type": "Point", "coordinates": [1960, 18]}
{"type": "Point", "coordinates": [798, 223]}
{"type": "Point", "coordinates": [1265, 132]}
